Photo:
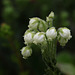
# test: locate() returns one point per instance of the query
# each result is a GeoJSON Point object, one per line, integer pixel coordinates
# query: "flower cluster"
{"type": "Point", "coordinates": [40, 32]}
{"type": "Point", "coordinates": [37, 24]}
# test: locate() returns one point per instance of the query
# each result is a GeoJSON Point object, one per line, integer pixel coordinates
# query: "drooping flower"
{"type": "Point", "coordinates": [26, 52]}
{"type": "Point", "coordinates": [64, 35]}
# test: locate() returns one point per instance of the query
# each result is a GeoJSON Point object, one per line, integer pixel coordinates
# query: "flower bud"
{"type": "Point", "coordinates": [37, 24]}
{"type": "Point", "coordinates": [39, 38]}
{"type": "Point", "coordinates": [26, 52]}
{"type": "Point", "coordinates": [64, 35]}
{"type": "Point", "coordinates": [28, 37]}
{"type": "Point", "coordinates": [51, 33]}
{"type": "Point", "coordinates": [50, 17]}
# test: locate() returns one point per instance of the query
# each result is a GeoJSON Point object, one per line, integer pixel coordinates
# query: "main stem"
{"type": "Point", "coordinates": [49, 55]}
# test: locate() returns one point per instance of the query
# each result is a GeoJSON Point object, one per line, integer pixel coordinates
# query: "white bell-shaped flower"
{"type": "Point", "coordinates": [33, 23]}
{"type": "Point", "coordinates": [26, 52]}
{"type": "Point", "coordinates": [64, 35]}
{"type": "Point", "coordinates": [39, 38]}
{"type": "Point", "coordinates": [64, 32]}
{"type": "Point", "coordinates": [51, 33]}
{"type": "Point", "coordinates": [28, 37]}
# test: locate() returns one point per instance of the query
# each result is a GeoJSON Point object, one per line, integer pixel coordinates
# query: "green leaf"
{"type": "Point", "coordinates": [67, 69]}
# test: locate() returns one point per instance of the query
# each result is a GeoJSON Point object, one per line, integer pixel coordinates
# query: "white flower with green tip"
{"type": "Point", "coordinates": [28, 37]}
{"type": "Point", "coordinates": [26, 52]}
{"type": "Point", "coordinates": [33, 23]}
{"type": "Point", "coordinates": [51, 33]}
{"type": "Point", "coordinates": [64, 35]}
{"type": "Point", "coordinates": [39, 38]}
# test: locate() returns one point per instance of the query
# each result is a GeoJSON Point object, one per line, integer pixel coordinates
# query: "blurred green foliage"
{"type": "Point", "coordinates": [15, 17]}
{"type": "Point", "coordinates": [66, 63]}
{"type": "Point", "coordinates": [5, 31]}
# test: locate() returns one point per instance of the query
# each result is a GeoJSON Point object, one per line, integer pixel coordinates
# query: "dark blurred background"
{"type": "Point", "coordinates": [14, 19]}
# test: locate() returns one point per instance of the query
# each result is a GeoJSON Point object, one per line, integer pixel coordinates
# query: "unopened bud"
{"type": "Point", "coordinates": [50, 17]}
